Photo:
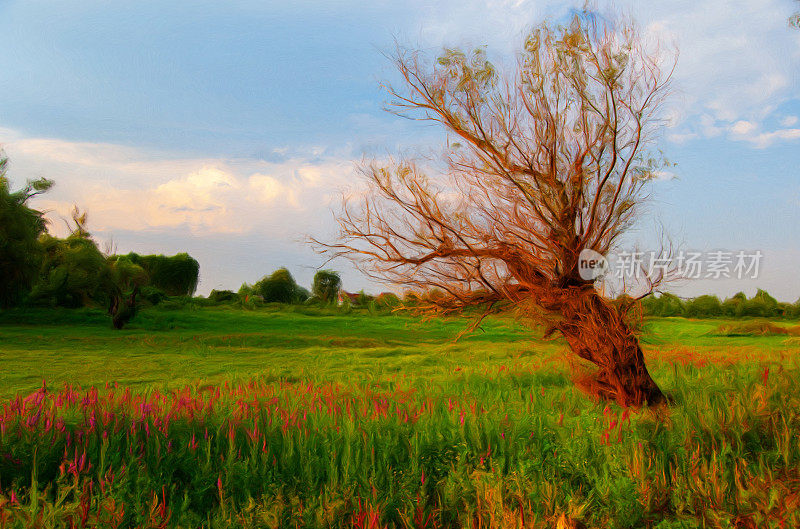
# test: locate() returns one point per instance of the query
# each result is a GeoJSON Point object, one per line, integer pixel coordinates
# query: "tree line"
{"type": "Point", "coordinates": [761, 305]}
{"type": "Point", "coordinates": [40, 269]}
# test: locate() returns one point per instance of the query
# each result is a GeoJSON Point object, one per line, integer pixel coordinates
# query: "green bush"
{"type": "Point", "coordinates": [223, 296]}
{"type": "Point", "coordinates": [152, 295]}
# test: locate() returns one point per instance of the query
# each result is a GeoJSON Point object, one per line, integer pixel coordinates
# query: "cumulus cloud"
{"type": "Point", "coordinates": [124, 188]}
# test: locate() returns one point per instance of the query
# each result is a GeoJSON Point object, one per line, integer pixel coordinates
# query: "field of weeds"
{"type": "Point", "coordinates": [218, 418]}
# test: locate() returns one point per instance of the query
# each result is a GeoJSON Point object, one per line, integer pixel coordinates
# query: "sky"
{"type": "Point", "coordinates": [229, 130]}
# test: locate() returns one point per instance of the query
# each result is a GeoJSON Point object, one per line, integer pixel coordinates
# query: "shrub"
{"type": "Point", "coordinates": [754, 328]}
{"type": "Point", "coordinates": [223, 296]}
{"type": "Point", "coordinates": [387, 300]}
{"type": "Point", "coordinates": [152, 295]}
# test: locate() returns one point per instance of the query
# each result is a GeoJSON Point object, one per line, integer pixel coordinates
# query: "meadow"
{"type": "Point", "coordinates": [295, 417]}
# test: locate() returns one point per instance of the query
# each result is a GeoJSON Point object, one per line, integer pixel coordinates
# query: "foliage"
{"type": "Point", "coordinates": [74, 272]}
{"type": "Point", "coordinates": [387, 300]}
{"type": "Point", "coordinates": [279, 287]}
{"type": "Point", "coordinates": [761, 305]}
{"type": "Point", "coordinates": [20, 228]}
{"type": "Point", "coordinates": [223, 296]}
{"type": "Point", "coordinates": [707, 306]}
{"type": "Point", "coordinates": [175, 275]}
{"type": "Point", "coordinates": [327, 434]}
{"type": "Point", "coordinates": [754, 328]}
{"type": "Point", "coordinates": [327, 284]}
{"type": "Point", "coordinates": [152, 295]}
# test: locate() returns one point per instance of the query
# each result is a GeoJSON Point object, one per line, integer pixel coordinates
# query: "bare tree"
{"type": "Point", "coordinates": [550, 160]}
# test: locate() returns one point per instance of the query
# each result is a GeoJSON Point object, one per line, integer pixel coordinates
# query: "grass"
{"type": "Point", "coordinates": [756, 328]}
{"type": "Point", "coordinates": [225, 418]}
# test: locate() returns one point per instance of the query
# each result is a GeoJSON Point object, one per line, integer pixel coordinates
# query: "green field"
{"type": "Point", "coordinates": [306, 418]}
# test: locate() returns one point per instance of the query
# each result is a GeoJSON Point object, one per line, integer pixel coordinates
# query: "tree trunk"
{"type": "Point", "coordinates": [596, 331]}
{"type": "Point", "coordinates": [124, 310]}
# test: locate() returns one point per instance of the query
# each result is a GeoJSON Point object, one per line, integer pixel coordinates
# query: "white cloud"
{"type": "Point", "coordinates": [751, 132]}
{"type": "Point", "coordinates": [789, 121]}
{"type": "Point", "coordinates": [123, 188]}
{"type": "Point", "coordinates": [765, 139]}
{"type": "Point", "coordinates": [743, 127]}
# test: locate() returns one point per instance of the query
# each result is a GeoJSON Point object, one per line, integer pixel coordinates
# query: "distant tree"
{"type": "Point", "coordinates": [126, 280]}
{"type": "Point", "coordinates": [794, 310]}
{"type": "Point", "coordinates": [20, 229]}
{"type": "Point", "coordinates": [327, 284]}
{"type": "Point", "coordinates": [550, 160]}
{"type": "Point", "coordinates": [387, 300]}
{"type": "Point", "coordinates": [760, 305]}
{"type": "Point", "coordinates": [246, 290]}
{"type": "Point", "coordinates": [175, 275]}
{"type": "Point", "coordinates": [703, 307]}
{"type": "Point", "coordinates": [74, 272]}
{"type": "Point", "coordinates": [279, 287]}
{"type": "Point", "coordinates": [733, 307]}
{"type": "Point", "coordinates": [363, 298]}
{"type": "Point", "coordinates": [301, 295]}
{"type": "Point", "coordinates": [665, 305]}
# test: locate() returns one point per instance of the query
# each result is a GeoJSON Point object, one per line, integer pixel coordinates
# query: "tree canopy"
{"type": "Point", "coordinates": [20, 229]}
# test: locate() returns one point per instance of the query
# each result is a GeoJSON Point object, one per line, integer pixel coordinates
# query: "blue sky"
{"type": "Point", "coordinates": [228, 129]}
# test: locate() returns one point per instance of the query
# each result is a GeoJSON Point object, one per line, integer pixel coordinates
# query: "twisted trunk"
{"type": "Point", "coordinates": [596, 331]}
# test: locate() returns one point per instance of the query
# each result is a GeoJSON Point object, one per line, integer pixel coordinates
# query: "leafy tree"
{"type": "Point", "coordinates": [704, 307]}
{"type": "Point", "coordinates": [665, 305]}
{"type": "Point", "coordinates": [734, 306]}
{"type": "Point", "coordinates": [175, 275]}
{"type": "Point", "coordinates": [301, 295]}
{"type": "Point", "coordinates": [20, 229]}
{"type": "Point", "coordinates": [551, 160]}
{"type": "Point", "coordinates": [327, 284]}
{"type": "Point", "coordinates": [74, 273]}
{"type": "Point", "coordinates": [279, 287]}
{"type": "Point", "coordinates": [246, 290]}
{"type": "Point", "coordinates": [126, 280]}
{"type": "Point", "coordinates": [761, 305]}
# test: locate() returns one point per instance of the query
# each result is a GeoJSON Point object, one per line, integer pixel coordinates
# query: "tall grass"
{"type": "Point", "coordinates": [269, 419]}
{"type": "Point", "coordinates": [511, 448]}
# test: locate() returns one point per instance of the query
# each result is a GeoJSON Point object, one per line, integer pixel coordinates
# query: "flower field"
{"type": "Point", "coordinates": [484, 433]}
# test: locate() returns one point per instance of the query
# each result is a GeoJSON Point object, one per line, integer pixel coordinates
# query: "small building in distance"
{"type": "Point", "coordinates": [350, 296]}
